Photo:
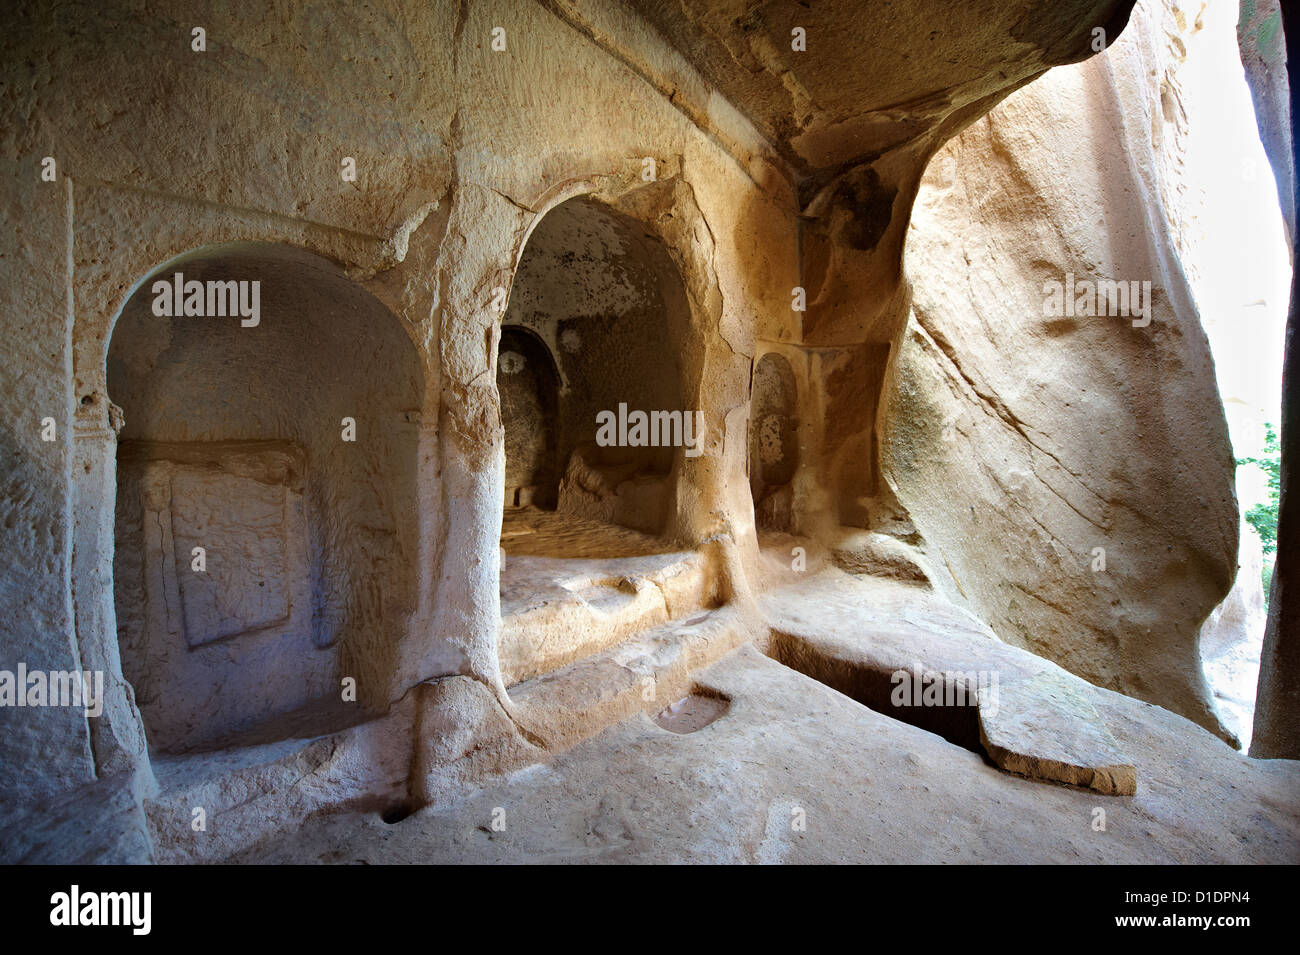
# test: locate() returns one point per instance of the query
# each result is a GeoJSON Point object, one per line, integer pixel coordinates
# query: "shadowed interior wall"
{"type": "Point", "coordinates": [605, 297]}
{"type": "Point", "coordinates": [773, 441]}
{"type": "Point", "coordinates": [853, 376]}
{"type": "Point", "coordinates": [235, 441]}
{"type": "Point", "coordinates": [529, 386]}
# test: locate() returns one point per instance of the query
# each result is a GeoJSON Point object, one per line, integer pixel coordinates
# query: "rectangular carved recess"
{"type": "Point", "coordinates": [242, 503]}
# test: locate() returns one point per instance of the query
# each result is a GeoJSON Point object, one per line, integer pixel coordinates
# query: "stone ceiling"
{"type": "Point", "coordinates": [876, 75]}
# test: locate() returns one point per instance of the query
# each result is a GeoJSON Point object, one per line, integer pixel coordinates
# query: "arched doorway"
{"type": "Point", "coordinates": [602, 296]}
{"type": "Point", "coordinates": [529, 388]}
{"type": "Point", "coordinates": [598, 298]}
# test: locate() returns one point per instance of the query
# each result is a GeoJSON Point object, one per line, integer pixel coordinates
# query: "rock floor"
{"type": "Point", "coordinates": [787, 769]}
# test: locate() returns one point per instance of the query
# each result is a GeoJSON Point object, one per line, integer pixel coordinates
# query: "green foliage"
{"type": "Point", "coordinates": [1263, 517]}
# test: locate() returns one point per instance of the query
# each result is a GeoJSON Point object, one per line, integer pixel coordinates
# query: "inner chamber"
{"type": "Point", "coordinates": [597, 325]}
{"type": "Point", "coordinates": [596, 320]}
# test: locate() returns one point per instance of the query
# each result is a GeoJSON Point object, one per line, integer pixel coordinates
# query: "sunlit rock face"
{"type": "Point", "coordinates": [1070, 465]}
{"type": "Point", "coordinates": [1265, 31]}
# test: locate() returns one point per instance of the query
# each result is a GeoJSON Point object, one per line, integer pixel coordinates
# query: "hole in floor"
{"type": "Point", "coordinates": [955, 718]}
{"type": "Point", "coordinates": [397, 812]}
{"type": "Point", "coordinates": [692, 713]}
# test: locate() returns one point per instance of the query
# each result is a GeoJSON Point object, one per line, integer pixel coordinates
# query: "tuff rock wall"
{"type": "Point", "coordinates": [762, 173]}
{"type": "Point", "coordinates": [1266, 35]}
{"type": "Point", "coordinates": [1070, 470]}
{"type": "Point", "coordinates": [460, 150]}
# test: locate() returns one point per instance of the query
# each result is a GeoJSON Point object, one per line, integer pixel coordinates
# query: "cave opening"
{"type": "Point", "coordinates": [529, 388]}
{"type": "Point", "coordinates": [596, 321]}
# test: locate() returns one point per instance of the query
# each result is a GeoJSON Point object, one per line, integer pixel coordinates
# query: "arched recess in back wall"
{"type": "Point", "coordinates": [287, 451]}
{"type": "Point", "coordinates": [773, 442]}
{"type": "Point", "coordinates": [602, 298]}
{"type": "Point", "coordinates": [529, 386]}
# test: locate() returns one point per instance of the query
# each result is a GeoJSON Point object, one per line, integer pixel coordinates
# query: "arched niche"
{"type": "Point", "coordinates": [773, 441]}
{"type": "Point", "coordinates": [604, 296]}
{"type": "Point", "coordinates": [528, 384]}
{"type": "Point", "coordinates": [266, 527]}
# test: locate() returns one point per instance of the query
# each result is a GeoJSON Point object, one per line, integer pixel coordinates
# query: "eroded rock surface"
{"type": "Point", "coordinates": [558, 209]}
{"type": "Point", "coordinates": [1045, 728]}
{"type": "Point", "coordinates": [1070, 470]}
{"type": "Point", "coordinates": [868, 789]}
